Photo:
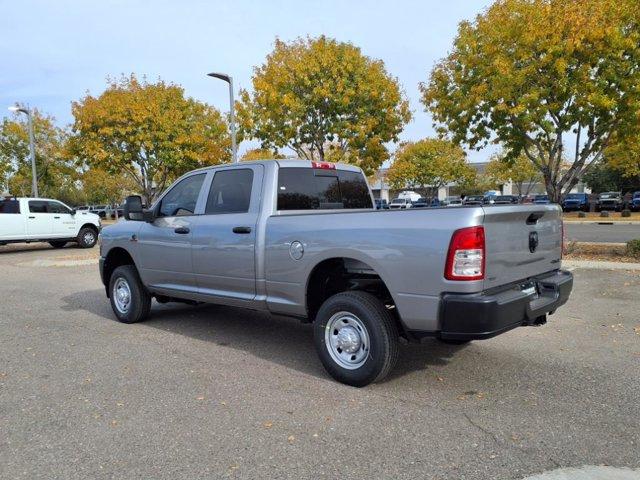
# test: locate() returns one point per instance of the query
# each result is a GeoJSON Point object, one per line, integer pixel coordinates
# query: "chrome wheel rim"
{"type": "Point", "coordinates": [347, 340]}
{"type": "Point", "coordinates": [122, 295]}
{"type": "Point", "coordinates": [89, 238]}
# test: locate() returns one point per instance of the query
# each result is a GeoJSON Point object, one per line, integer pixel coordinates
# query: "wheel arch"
{"type": "Point", "coordinates": [337, 274]}
{"type": "Point", "coordinates": [116, 257]}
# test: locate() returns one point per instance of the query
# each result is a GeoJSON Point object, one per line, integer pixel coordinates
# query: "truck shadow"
{"type": "Point", "coordinates": [281, 340]}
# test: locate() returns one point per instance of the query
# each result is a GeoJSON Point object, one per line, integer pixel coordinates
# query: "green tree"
{"type": "Point", "coordinates": [317, 94]}
{"type": "Point", "coordinates": [429, 163]}
{"type": "Point", "coordinates": [547, 78]}
{"type": "Point", "coordinates": [56, 173]}
{"type": "Point", "coordinates": [150, 132]}
{"type": "Point", "coordinates": [521, 171]}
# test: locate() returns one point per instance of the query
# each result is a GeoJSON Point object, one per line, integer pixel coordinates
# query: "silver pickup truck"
{"type": "Point", "coordinates": [303, 239]}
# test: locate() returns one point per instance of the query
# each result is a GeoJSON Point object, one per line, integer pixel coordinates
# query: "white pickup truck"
{"type": "Point", "coordinates": [45, 220]}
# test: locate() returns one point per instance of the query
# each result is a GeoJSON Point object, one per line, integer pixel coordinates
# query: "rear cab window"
{"type": "Point", "coordinates": [319, 189]}
{"type": "Point", "coordinates": [9, 205]}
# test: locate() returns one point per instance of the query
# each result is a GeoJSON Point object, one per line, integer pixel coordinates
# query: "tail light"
{"type": "Point", "coordinates": [466, 256]}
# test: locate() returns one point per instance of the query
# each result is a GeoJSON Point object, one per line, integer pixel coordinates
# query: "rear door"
{"type": "Point", "coordinates": [521, 241]}
{"type": "Point", "coordinates": [224, 237]}
{"type": "Point", "coordinates": [39, 220]}
{"type": "Point", "coordinates": [12, 223]}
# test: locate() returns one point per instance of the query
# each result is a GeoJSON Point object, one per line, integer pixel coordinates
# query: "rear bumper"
{"type": "Point", "coordinates": [485, 315]}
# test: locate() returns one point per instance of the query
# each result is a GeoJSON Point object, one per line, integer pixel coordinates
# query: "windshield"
{"type": "Point", "coordinates": [398, 200]}
{"type": "Point", "coordinates": [609, 195]}
{"type": "Point", "coordinates": [636, 195]}
{"type": "Point", "coordinates": [575, 196]}
{"type": "Point", "coordinates": [541, 197]}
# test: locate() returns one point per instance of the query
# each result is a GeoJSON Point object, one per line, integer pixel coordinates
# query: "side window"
{"type": "Point", "coordinates": [230, 191]}
{"type": "Point", "coordinates": [57, 207]}
{"type": "Point", "coordinates": [182, 198]}
{"type": "Point", "coordinates": [37, 206]}
{"type": "Point", "coordinates": [8, 205]}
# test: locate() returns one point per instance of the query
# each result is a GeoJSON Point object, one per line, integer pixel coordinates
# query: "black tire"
{"type": "Point", "coordinates": [139, 303]}
{"type": "Point", "coordinates": [449, 341]}
{"type": "Point", "coordinates": [58, 243]}
{"type": "Point", "coordinates": [380, 326]}
{"type": "Point", "coordinates": [87, 237]}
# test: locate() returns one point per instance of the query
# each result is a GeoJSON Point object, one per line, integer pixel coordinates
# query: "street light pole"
{"type": "Point", "coordinates": [232, 116]}
{"type": "Point", "coordinates": [32, 147]}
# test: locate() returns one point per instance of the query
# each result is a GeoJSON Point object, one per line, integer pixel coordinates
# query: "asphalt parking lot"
{"type": "Point", "coordinates": [216, 392]}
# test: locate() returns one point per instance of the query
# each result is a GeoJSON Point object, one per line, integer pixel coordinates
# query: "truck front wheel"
{"type": "Point", "coordinates": [87, 237]}
{"type": "Point", "coordinates": [356, 338]}
{"type": "Point", "coordinates": [130, 301]}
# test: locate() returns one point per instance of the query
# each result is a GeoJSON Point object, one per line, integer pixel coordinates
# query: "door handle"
{"type": "Point", "coordinates": [182, 230]}
{"type": "Point", "coordinates": [242, 230]}
{"type": "Point", "coordinates": [31, 218]}
{"type": "Point", "coordinates": [56, 217]}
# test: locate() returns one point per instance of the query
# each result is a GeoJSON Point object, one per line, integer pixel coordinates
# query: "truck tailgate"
{"type": "Point", "coordinates": [521, 241]}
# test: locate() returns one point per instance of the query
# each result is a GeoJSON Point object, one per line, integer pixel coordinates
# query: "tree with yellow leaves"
{"type": "Point", "coordinates": [544, 78]}
{"type": "Point", "coordinates": [520, 171]}
{"type": "Point", "coordinates": [322, 97]}
{"type": "Point", "coordinates": [260, 154]}
{"type": "Point", "coordinates": [150, 132]}
{"type": "Point", "coordinates": [430, 163]}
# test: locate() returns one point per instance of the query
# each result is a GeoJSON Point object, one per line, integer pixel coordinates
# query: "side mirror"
{"type": "Point", "coordinates": [73, 211]}
{"type": "Point", "coordinates": [132, 209]}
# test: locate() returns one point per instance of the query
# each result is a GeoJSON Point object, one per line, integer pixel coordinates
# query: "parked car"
{"type": "Point", "coordinates": [400, 203]}
{"type": "Point", "coordinates": [452, 201]}
{"type": "Point", "coordinates": [611, 201]}
{"type": "Point", "coordinates": [634, 204]}
{"type": "Point", "coordinates": [84, 207]}
{"type": "Point", "coordinates": [103, 211]}
{"type": "Point", "coordinates": [27, 220]}
{"type": "Point", "coordinates": [382, 204]}
{"type": "Point", "coordinates": [117, 212]}
{"type": "Point", "coordinates": [269, 236]}
{"type": "Point", "coordinates": [505, 199]}
{"type": "Point", "coordinates": [474, 200]}
{"type": "Point", "coordinates": [576, 202]}
{"type": "Point", "coordinates": [541, 200]}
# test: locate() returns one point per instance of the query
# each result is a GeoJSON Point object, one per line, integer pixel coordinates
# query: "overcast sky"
{"type": "Point", "coordinates": [53, 52]}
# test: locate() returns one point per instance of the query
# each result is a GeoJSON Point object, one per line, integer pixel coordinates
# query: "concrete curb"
{"type": "Point", "coordinates": [594, 265]}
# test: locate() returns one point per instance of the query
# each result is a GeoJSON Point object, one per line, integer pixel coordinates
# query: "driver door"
{"type": "Point", "coordinates": [165, 243]}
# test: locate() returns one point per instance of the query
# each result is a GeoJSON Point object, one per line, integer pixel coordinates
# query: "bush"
{"type": "Point", "coordinates": [582, 214]}
{"type": "Point", "coordinates": [604, 214]}
{"type": "Point", "coordinates": [626, 212]}
{"type": "Point", "coordinates": [633, 248]}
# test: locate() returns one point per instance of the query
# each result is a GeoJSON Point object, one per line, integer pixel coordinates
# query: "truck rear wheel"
{"type": "Point", "coordinates": [130, 301]}
{"type": "Point", "coordinates": [356, 338]}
